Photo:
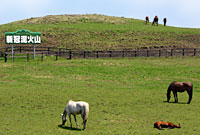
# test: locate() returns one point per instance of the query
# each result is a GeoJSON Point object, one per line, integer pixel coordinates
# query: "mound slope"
{"type": "Point", "coordinates": [100, 32]}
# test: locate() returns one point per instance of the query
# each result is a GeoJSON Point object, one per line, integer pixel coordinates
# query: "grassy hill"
{"type": "Point", "coordinates": [100, 32]}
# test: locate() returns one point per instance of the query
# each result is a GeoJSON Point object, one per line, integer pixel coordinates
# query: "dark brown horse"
{"type": "Point", "coordinates": [147, 19]}
{"type": "Point", "coordinates": [179, 87]}
{"type": "Point", "coordinates": [155, 21]}
{"type": "Point", "coordinates": [165, 21]}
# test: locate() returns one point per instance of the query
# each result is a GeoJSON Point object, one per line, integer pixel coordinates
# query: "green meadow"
{"type": "Point", "coordinates": [126, 96]}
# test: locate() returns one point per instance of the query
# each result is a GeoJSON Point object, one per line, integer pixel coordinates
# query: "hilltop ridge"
{"type": "Point", "coordinates": [100, 32]}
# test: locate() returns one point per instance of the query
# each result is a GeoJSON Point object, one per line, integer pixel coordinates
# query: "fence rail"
{"type": "Point", "coordinates": [137, 53]}
{"type": "Point", "coordinates": [69, 54]}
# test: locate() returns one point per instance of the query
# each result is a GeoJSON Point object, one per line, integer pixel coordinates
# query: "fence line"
{"type": "Point", "coordinates": [69, 54]}
{"type": "Point", "coordinates": [137, 53]}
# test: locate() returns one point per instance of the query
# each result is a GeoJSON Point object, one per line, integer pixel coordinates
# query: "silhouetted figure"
{"type": "Point", "coordinates": [155, 20]}
{"type": "Point", "coordinates": [147, 19]}
{"type": "Point", "coordinates": [165, 21]}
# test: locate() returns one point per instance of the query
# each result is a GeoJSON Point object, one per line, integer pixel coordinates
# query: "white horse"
{"type": "Point", "coordinates": [76, 108]}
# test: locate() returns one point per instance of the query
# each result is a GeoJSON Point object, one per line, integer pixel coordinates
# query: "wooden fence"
{"type": "Point", "coordinates": [135, 53]}
{"type": "Point", "coordinates": [69, 54]}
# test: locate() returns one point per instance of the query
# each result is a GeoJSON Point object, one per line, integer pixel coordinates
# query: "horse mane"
{"type": "Point", "coordinates": [169, 91]}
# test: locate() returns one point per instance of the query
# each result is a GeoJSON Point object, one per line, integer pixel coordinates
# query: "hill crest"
{"type": "Point", "coordinates": [101, 32]}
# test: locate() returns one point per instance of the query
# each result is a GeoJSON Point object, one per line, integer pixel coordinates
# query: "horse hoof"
{"type": "Point", "coordinates": [60, 125]}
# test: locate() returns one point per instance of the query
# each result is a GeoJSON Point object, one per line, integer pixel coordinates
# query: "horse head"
{"type": "Point", "coordinates": [64, 119]}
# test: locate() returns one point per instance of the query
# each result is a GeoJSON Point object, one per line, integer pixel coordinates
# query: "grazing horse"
{"type": "Point", "coordinates": [155, 20]}
{"type": "Point", "coordinates": [180, 87]}
{"type": "Point", "coordinates": [165, 21]}
{"type": "Point", "coordinates": [75, 108]}
{"type": "Point", "coordinates": [147, 19]}
{"type": "Point", "coordinates": [162, 124]}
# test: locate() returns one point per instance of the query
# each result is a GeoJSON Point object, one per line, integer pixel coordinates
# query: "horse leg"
{"type": "Point", "coordinates": [190, 96]}
{"type": "Point", "coordinates": [175, 97]}
{"type": "Point", "coordinates": [70, 120]}
{"type": "Point", "coordinates": [75, 121]}
{"type": "Point", "coordinates": [84, 121]}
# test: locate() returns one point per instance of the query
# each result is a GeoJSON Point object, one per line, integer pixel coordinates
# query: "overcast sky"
{"type": "Point", "coordinates": [180, 13]}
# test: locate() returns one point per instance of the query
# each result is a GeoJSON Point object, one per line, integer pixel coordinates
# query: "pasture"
{"type": "Point", "coordinates": [126, 96]}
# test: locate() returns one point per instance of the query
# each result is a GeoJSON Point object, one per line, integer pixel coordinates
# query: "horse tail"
{"type": "Point", "coordinates": [169, 92]}
{"type": "Point", "coordinates": [86, 111]}
{"type": "Point", "coordinates": [190, 92]}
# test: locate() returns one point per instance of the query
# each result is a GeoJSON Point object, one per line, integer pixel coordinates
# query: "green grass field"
{"type": "Point", "coordinates": [126, 96]}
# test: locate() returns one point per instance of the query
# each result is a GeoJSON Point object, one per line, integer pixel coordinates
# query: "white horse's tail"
{"type": "Point", "coordinates": [86, 108]}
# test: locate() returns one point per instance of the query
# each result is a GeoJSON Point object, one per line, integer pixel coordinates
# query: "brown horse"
{"type": "Point", "coordinates": [179, 87]}
{"type": "Point", "coordinates": [165, 21]}
{"type": "Point", "coordinates": [161, 124]}
{"type": "Point", "coordinates": [147, 19]}
{"type": "Point", "coordinates": [155, 21]}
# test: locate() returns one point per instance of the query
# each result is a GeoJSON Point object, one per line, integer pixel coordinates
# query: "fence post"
{"type": "Point", "coordinates": [84, 54]}
{"type": "Point", "coordinates": [6, 50]}
{"type": "Point", "coordinates": [60, 52]}
{"type": "Point", "coordinates": [159, 53]}
{"type": "Point", "coordinates": [183, 52]}
{"type": "Point", "coordinates": [20, 49]}
{"type": "Point", "coordinates": [123, 54]}
{"type": "Point", "coordinates": [135, 53]}
{"type": "Point", "coordinates": [97, 54]}
{"type": "Point", "coordinates": [110, 54]}
{"type": "Point", "coordinates": [195, 52]}
{"type": "Point", "coordinates": [33, 51]}
{"type": "Point", "coordinates": [48, 50]}
{"type": "Point", "coordinates": [70, 54]}
{"type": "Point", "coordinates": [147, 53]}
{"type": "Point", "coordinates": [172, 52]}
{"type": "Point", "coordinates": [13, 59]}
{"type": "Point", "coordinates": [12, 51]}
{"type": "Point", "coordinates": [27, 57]}
{"type": "Point", "coordinates": [42, 56]}
{"type": "Point", "coordinates": [56, 56]}
{"type": "Point", "coordinates": [5, 58]}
